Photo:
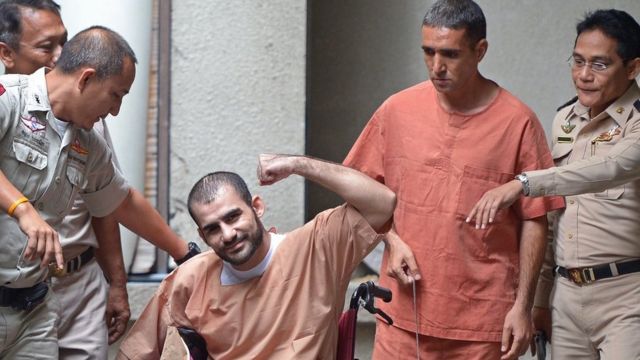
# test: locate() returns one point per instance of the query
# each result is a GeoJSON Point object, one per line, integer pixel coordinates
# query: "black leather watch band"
{"type": "Point", "coordinates": [194, 250]}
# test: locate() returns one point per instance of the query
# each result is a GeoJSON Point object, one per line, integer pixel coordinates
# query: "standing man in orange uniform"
{"type": "Point", "coordinates": [439, 145]}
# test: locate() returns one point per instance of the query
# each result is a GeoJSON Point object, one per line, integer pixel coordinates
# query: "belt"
{"type": "Point", "coordinates": [587, 275]}
{"type": "Point", "coordinates": [72, 265]}
{"type": "Point", "coordinates": [23, 298]}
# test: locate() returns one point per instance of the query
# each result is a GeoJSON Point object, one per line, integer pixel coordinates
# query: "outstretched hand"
{"type": "Point", "coordinates": [503, 196]}
{"type": "Point", "coordinates": [273, 168]}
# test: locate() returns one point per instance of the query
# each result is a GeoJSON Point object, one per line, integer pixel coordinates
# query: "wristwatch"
{"type": "Point", "coordinates": [194, 250]}
{"type": "Point", "coordinates": [524, 180]}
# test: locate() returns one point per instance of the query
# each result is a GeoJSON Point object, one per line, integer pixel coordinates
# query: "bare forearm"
{"type": "Point", "coordinates": [109, 253]}
{"type": "Point", "coordinates": [139, 216]}
{"type": "Point", "coordinates": [532, 249]}
{"type": "Point", "coordinates": [8, 193]}
{"type": "Point", "coordinates": [373, 200]}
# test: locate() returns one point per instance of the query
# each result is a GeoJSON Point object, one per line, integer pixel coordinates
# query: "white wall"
{"type": "Point", "coordinates": [238, 89]}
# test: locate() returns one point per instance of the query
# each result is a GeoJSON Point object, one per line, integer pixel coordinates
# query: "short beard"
{"type": "Point", "coordinates": [255, 241]}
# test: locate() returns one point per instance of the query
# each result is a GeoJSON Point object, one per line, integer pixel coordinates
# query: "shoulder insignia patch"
{"type": "Point", "coordinates": [635, 104]}
{"type": "Point", "coordinates": [575, 98]}
{"type": "Point", "coordinates": [2, 90]}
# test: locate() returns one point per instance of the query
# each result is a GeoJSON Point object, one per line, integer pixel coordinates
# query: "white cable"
{"type": "Point", "coordinates": [415, 312]}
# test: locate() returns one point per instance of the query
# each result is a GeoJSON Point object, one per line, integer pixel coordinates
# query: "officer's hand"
{"type": "Point", "coordinates": [402, 264]}
{"type": "Point", "coordinates": [484, 211]}
{"type": "Point", "coordinates": [42, 240]}
{"type": "Point", "coordinates": [273, 168]}
{"type": "Point", "coordinates": [541, 322]}
{"type": "Point", "coordinates": [118, 312]}
{"type": "Point", "coordinates": [516, 333]}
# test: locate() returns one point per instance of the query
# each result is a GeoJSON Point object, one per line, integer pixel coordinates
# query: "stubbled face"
{"type": "Point", "coordinates": [598, 89]}
{"type": "Point", "coordinates": [101, 97]}
{"type": "Point", "coordinates": [231, 228]}
{"type": "Point", "coordinates": [451, 61]}
{"type": "Point", "coordinates": [42, 37]}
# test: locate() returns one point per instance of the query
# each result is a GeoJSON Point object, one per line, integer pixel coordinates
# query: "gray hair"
{"type": "Point", "coordinates": [458, 14]}
{"type": "Point", "coordinates": [97, 47]}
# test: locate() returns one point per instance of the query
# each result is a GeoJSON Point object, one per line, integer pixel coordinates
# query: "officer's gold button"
{"type": "Point", "coordinates": [29, 158]}
{"type": "Point", "coordinates": [619, 110]}
{"type": "Point", "coordinates": [570, 236]}
{"type": "Point", "coordinates": [572, 202]}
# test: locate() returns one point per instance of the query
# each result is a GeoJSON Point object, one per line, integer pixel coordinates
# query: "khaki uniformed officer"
{"type": "Point", "coordinates": [596, 147]}
{"type": "Point", "coordinates": [48, 154]}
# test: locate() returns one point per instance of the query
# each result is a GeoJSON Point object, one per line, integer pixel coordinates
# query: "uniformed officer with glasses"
{"type": "Point", "coordinates": [594, 265]}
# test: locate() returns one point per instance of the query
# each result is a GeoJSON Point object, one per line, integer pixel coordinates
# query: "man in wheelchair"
{"type": "Point", "coordinates": [260, 294]}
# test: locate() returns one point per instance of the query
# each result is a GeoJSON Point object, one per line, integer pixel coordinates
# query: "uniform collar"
{"type": "Point", "coordinates": [578, 110]}
{"type": "Point", "coordinates": [37, 95]}
{"type": "Point", "coordinates": [620, 110]}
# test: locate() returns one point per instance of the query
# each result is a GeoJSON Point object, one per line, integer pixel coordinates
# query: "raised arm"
{"type": "Point", "coordinates": [372, 199]}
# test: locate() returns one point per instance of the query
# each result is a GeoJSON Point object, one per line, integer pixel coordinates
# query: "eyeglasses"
{"type": "Point", "coordinates": [597, 66]}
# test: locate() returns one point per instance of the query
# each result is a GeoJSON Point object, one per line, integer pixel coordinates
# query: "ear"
{"type": "Point", "coordinates": [633, 68]}
{"type": "Point", "coordinates": [481, 49]}
{"type": "Point", "coordinates": [258, 205]}
{"type": "Point", "coordinates": [7, 56]}
{"type": "Point", "coordinates": [86, 75]}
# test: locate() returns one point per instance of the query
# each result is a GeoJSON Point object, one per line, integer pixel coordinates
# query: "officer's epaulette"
{"type": "Point", "coordinates": [637, 104]}
{"type": "Point", "coordinates": [567, 103]}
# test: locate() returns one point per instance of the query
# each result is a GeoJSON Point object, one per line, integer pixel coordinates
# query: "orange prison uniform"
{"type": "Point", "coordinates": [291, 311]}
{"type": "Point", "coordinates": [439, 164]}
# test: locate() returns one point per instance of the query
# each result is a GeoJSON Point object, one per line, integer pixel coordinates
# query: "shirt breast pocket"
{"type": "Point", "coordinates": [75, 182]}
{"type": "Point", "coordinates": [28, 170]}
{"type": "Point", "coordinates": [602, 149]}
{"type": "Point", "coordinates": [475, 182]}
{"type": "Point", "coordinates": [481, 243]}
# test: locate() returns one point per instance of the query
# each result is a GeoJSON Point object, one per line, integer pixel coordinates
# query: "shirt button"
{"type": "Point", "coordinates": [572, 202]}
{"type": "Point", "coordinates": [29, 158]}
{"type": "Point", "coordinates": [58, 180]}
{"type": "Point", "coordinates": [570, 236]}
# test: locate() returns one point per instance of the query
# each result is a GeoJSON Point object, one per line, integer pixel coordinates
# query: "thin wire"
{"type": "Point", "coordinates": [415, 312]}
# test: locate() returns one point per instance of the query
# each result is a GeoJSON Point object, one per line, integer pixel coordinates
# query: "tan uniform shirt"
{"type": "Point", "coordinates": [75, 232]}
{"type": "Point", "coordinates": [48, 169]}
{"type": "Point", "coordinates": [600, 159]}
{"type": "Point", "coordinates": [290, 312]}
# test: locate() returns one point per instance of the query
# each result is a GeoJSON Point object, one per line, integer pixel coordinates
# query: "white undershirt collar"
{"type": "Point", "coordinates": [232, 276]}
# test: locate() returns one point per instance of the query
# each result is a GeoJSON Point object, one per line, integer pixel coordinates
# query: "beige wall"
{"type": "Point", "coordinates": [238, 89]}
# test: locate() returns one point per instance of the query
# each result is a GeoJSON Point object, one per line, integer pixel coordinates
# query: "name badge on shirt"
{"type": "Point", "coordinates": [564, 139]}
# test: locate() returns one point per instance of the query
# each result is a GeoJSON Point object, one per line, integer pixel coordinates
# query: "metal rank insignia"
{"type": "Point", "coordinates": [568, 126]}
{"type": "Point", "coordinates": [604, 137]}
{"type": "Point", "coordinates": [608, 135]}
{"type": "Point", "coordinates": [564, 139]}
